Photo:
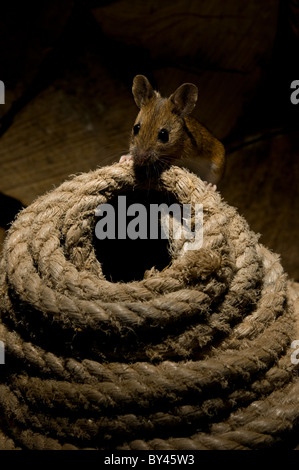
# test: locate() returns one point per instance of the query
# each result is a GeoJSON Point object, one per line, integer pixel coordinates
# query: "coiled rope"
{"type": "Point", "coordinates": [195, 356]}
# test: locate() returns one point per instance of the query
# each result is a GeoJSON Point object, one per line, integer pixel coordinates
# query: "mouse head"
{"type": "Point", "coordinates": [158, 132]}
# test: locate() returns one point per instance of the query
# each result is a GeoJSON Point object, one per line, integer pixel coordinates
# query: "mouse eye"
{"type": "Point", "coordinates": [163, 135]}
{"type": "Point", "coordinates": [136, 129]}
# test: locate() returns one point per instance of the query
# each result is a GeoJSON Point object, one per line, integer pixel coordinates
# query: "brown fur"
{"type": "Point", "coordinates": [190, 144]}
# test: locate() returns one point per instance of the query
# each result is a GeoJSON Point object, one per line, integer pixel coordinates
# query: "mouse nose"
{"type": "Point", "coordinates": [142, 157]}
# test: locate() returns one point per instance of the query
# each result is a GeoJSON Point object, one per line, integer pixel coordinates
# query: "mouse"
{"type": "Point", "coordinates": [165, 134]}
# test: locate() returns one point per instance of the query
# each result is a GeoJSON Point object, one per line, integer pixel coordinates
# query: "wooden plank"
{"type": "Point", "coordinates": [79, 123]}
{"type": "Point", "coordinates": [230, 35]}
{"type": "Point", "coordinates": [28, 31]}
{"type": "Point", "coordinates": [262, 181]}
{"type": "Point", "coordinates": [219, 106]}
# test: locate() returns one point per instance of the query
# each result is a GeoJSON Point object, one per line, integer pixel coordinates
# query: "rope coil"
{"type": "Point", "coordinates": [195, 356]}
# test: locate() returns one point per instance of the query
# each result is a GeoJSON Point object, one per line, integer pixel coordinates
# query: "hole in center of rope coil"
{"type": "Point", "coordinates": [129, 238]}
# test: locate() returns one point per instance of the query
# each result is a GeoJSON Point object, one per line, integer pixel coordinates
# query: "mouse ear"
{"type": "Point", "coordinates": [184, 99]}
{"type": "Point", "coordinates": [142, 90]}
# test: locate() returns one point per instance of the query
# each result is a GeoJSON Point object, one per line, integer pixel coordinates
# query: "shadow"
{"type": "Point", "coordinates": [9, 209]}
{"type": "Point", "coordinates": [127, 259]}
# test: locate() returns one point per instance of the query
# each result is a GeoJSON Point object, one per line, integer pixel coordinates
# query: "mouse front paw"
{"type": "Point", "coordinates": [125, 158]}
{"type": "Point", "coordinates": [210, 186]}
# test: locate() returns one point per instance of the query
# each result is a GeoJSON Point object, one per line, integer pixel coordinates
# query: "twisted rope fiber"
{"type": "Point", "coordinates": [196, 356]}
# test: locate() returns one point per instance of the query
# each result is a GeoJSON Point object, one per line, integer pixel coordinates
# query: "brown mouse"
{"type": "Point", "coordinates": [164, 133]}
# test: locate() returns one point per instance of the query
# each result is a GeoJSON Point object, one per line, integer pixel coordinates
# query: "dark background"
{"type": "Point", "coordinates": [68, 68]}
